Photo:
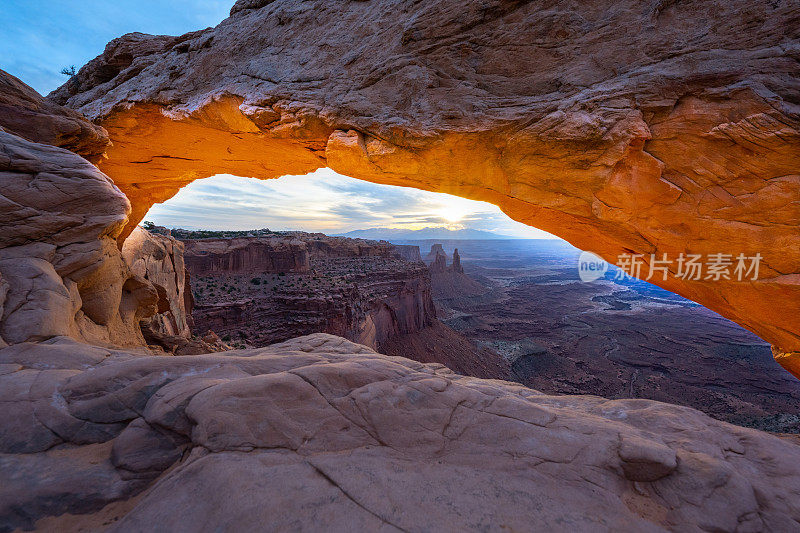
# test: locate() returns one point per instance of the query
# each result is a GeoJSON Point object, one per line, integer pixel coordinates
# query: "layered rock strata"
{"type": "Point", "coordinates": [409, 252]}
{"type": "Point", "coordinates": [25, 113]}
{"type": "Point", "coordinates": [283, 287]}
{"type": "Point", "coordinates": [208, 257]}
{"type": "Point", "coordinates": [62, 272]}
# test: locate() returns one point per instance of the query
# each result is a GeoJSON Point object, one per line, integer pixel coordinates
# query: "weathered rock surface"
{"type": "Point", "coordinates": [63, 273]}
{"type": "Point", "coordinates": [208, 257]}
{"type": "Point", "coordinates": [439, 264]}
{"type": "Point", "coordinates": [409, 252]}
{"type": "Point", "coordinates": [456, 266]}
{"type": "Point", "coordinates": [633, 126]}
{"type": "Point", "coordinates": [159, 260]}
{"type": "Point", "coordinates": [319, 430]}
{"type": "Point", "coordinates": [258, 291]}
{"type": "Point", "coordinates": [449, 284]}
{"type": "Point", "coordinates": [25, 113]}
{"type": "Point", "coordinates": [436, 251]}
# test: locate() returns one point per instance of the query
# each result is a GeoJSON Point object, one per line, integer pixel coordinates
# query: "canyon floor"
{"type": "Point", "coordinates": [613, 338]}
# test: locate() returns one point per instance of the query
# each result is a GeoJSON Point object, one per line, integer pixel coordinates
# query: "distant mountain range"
{"type": "Point", "coordinates": [390, 234]}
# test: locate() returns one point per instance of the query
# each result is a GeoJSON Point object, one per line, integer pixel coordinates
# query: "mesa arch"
{"type": "Point", "coordinates": [674, 136]}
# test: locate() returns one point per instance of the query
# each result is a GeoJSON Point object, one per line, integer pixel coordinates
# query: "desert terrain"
{"type": "Point", "coordinates": [616, 338]}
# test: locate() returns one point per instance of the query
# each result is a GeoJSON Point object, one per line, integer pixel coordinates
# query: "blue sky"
{"type": "Point", "coordinates": [40, 37]}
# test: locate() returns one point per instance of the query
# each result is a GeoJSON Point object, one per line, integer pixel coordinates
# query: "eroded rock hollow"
{"type": "Point", "coordinates": [678, 135]}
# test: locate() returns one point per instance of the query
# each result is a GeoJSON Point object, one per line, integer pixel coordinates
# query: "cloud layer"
{"type": "Point", "coordinates": [327, 202]}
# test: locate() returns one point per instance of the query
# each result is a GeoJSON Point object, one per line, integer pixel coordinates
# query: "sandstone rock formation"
{"type": "Point", "coordinates": [622, 126]}
{"type": "Point", "coordinates": [326, 246]}
{"type": "Point", "coordinates": [436, 251]}
{"type": "Point", "coordinates": [206, 257]}
{"type": "Point", "coordinates": [439, 264]}
{"type": "Point", "coordinates": [456, 266]}
{"type": "Point", "coordinates": [25, 113]}
{"type": "Point", "coordinates": [159, 260]}
{"type": "Point", "coordinates": [259, 290]}
{"type": "Point", "coordinates": [63, 273]}
{"type": "Point", "coordinates": [409, 252]}
{"type": "Point", "coordinates": [319, 430]}
{"type": "Point", "coordinates": [449, 283]}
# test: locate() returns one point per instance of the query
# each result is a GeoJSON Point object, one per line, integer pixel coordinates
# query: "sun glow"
{"type": "Point", "coordinates": [327, 202]}
{"type": "Point", "coordinates": [454, 209]}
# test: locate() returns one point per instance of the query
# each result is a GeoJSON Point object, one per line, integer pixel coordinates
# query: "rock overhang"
{"type": "Point", "coordinates": [679, 134]}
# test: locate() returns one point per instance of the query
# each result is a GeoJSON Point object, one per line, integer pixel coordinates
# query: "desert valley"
{"type": "Point", "coordinates": [510, 309]}
{"type": "Point", "coordinates": [389, 357]}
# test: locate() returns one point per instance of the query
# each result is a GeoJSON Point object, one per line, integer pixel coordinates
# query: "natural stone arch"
{"type": "Point", "coordinates": [679, 135]}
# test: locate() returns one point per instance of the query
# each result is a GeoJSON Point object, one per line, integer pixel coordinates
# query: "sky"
{"type": "Point", "coordinates": [327, 202]}
{"type": "Point", "coordinates": [40, 37]}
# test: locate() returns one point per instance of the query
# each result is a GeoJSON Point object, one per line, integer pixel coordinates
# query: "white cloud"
{"type": "Point", "coordinates": [327, 202]}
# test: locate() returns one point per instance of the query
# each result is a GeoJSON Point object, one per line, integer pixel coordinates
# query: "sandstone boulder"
{"type": "Point", "coordinates": [25, 113]}
{"type": "Point", "coordinates": [63, 273]}
{"type": "Point", "coordinates": [624, 127]}
{"type": "Point", "coordinates": [159, 260]}
{"type": "Point", "coordinates": [320, 432]}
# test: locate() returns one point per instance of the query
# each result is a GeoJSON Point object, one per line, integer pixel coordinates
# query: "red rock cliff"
{"type": "Point", "coordinates": [245, 255]}
{"type": "Point", "coordinates": [357, 289]}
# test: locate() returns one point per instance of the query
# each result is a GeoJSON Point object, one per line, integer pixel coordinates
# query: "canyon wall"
{"type": "Point", "coordinates": [258, 291]}
{"type": "Point", "coordinates": [626, 127]}
{"type": "Point", "coordinates": [206, 257]}
{"type": "Point", "coordinates": [409, 252]}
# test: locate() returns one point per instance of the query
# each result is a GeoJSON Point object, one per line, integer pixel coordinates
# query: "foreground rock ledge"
{"type": "Point", "coordinates": [320, 432]}
{"type": "Point", "coordinates": [622, 126]}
